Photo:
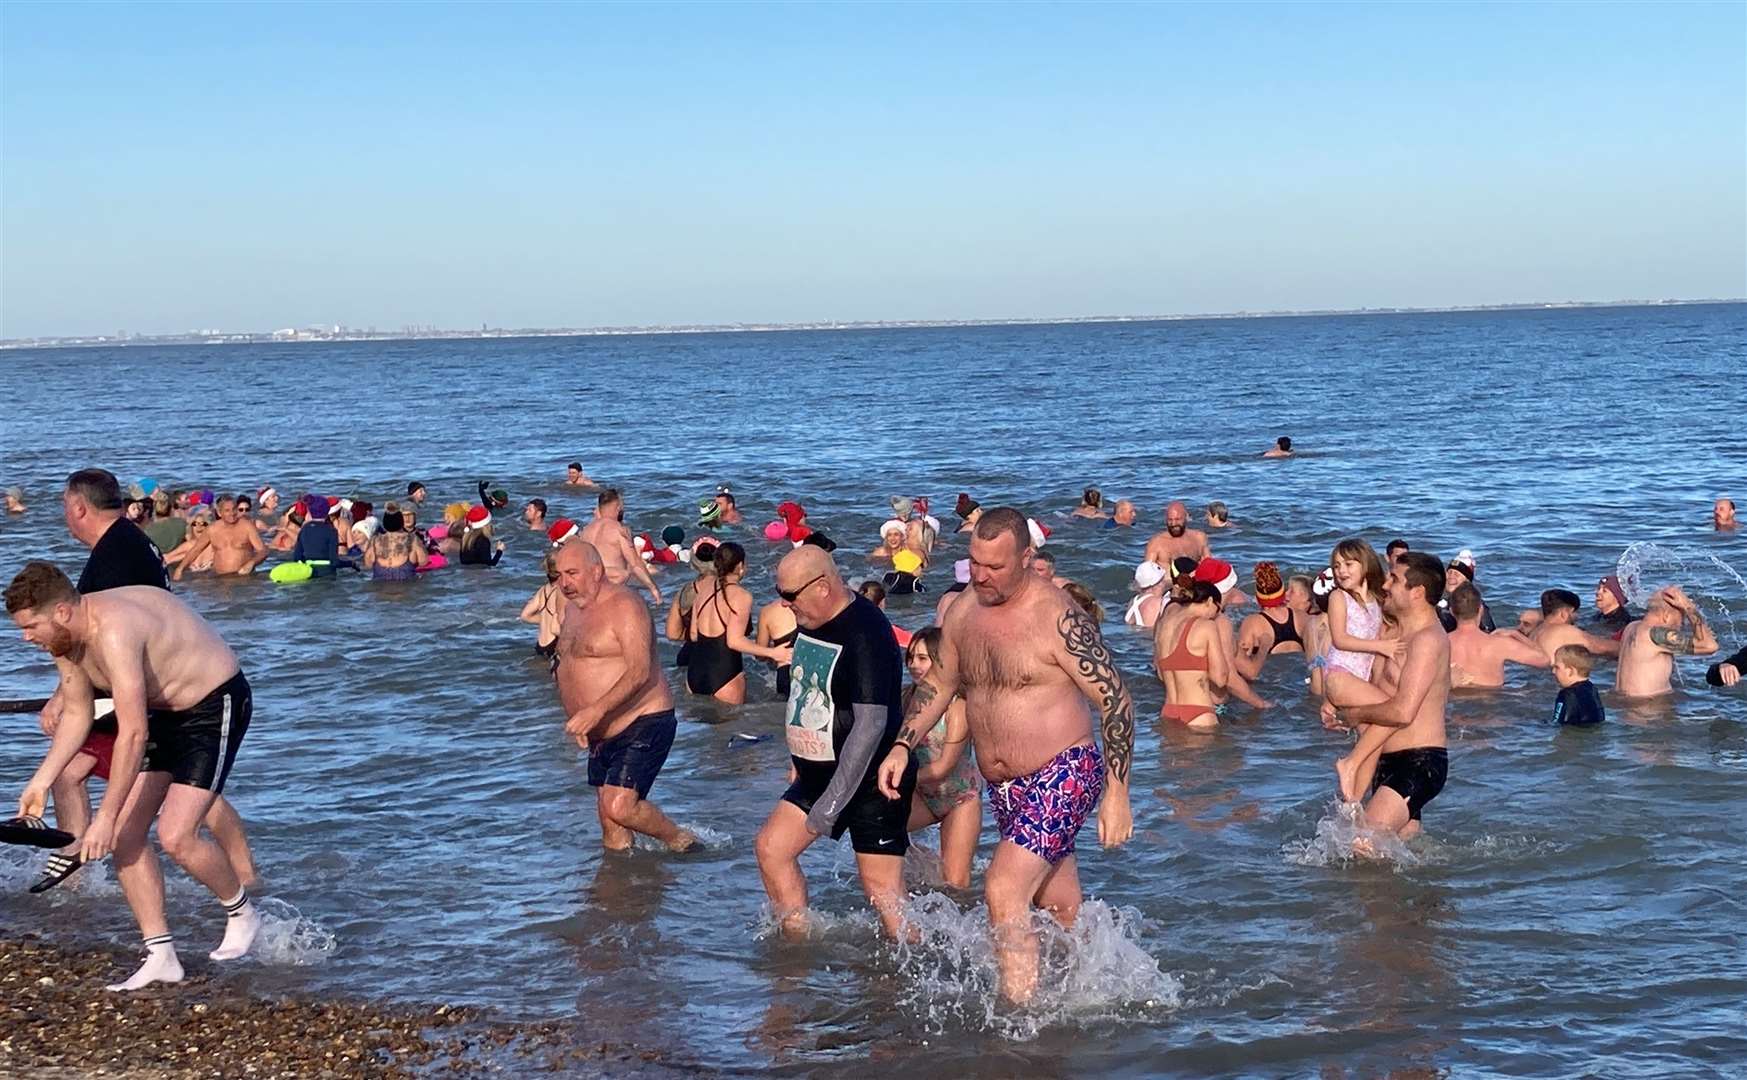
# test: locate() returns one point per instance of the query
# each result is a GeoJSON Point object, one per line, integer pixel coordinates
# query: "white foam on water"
{"type": "Point", "coordinates": [1093, 972]}
{"type": "Point", "coordinates": [1338, 832]}
{"type": "Point", "coordinates": [288, 938]}
{"type": "Point", "coordinates": [712, 839]}
{"type": "Point", "coordinates": [821, 925]}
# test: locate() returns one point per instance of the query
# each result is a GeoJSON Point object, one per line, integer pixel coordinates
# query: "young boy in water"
{"type": "Point", "coordinates": [1578, 704]}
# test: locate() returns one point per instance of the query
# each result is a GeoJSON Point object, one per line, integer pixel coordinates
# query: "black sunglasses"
{"type": "Point", "coordinates": [791, 595]}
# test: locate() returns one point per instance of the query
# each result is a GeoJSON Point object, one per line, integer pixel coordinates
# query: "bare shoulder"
{"type": "Point", "coordinates": [1431, 638]}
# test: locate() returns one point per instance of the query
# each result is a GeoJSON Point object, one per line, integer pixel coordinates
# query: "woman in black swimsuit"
{"type": "Point", "coordinates": [721, 615]}
{"type": "Point", "coordinates": [1278, 626]}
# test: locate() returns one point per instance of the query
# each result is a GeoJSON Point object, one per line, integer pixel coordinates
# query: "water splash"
{"type": "Point", "coordinates": [1647, 566]}
{"type": "Point", "coordinates": [288, 938]}
{"type": "Point", "coordinates": [711, 839]}
{"type": "Point", "coordinates": [1342, 839]}
{"type": "Point", "coordinates": [1093, 972]}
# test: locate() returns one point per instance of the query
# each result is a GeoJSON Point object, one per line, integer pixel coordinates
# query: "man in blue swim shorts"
{"type": "Point", "coordinates": [1026, 660]}
{"type": "Point", "coordinates": [616, 695]}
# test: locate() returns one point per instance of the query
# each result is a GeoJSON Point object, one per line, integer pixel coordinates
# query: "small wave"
{"type": "Point", "coordinates": [288, 938]}
{"type": "Point", "coordinates": [1093, 972]}
{"type": "Point", "coordinates": [1342, 838]}
{"type": "Point", "coordinates": [711, 839]}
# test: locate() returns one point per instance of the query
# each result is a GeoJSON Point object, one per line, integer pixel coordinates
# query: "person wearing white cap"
{"type": "Point", "coordinates": [1458, 572]}
{"type": "Point", "coordinates": [961, 580]}
{"type": "Point", "coordinates": [1149, 599]}
{"type": "Point", "coordinates": [891, 541]}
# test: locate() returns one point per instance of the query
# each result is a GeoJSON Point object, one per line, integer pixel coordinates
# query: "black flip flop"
{"type": "Point", "coordinates": [59, 868]}
{"type": "Point", "coordinates": [33, 832]}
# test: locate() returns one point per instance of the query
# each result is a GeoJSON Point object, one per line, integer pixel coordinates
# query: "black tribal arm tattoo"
{"type": "Point", "coordinates": [1095, 669]}
{"type": "Point", "coordinates": [918, 717]}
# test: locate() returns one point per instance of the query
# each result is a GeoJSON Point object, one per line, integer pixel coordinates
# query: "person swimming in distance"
{"type": "Point", "coordinates": [15, 500]}
{"type": "Point", "coordinates": [1123, 517]}
{"type": "Point", "coordinates": [534, 515]}
{"type": "Point", "coordinates": [729, 510]}
{"type": "Point", "coordinates": [1723, 515]}
{"type": "Point", "coordinates": [1091, 505]}
{"type": "Point", "coordinates": [415, 493]}
{"type": "Point", "coordinates": [1282, 448]}
{"type": "Point", "coordinates": [1218, 516]}
{"type": "Point", "coordinates": [575, 477]}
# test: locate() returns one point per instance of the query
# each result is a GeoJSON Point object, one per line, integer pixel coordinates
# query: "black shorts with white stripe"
{"type": "Point", "coordinates": [197, 746]}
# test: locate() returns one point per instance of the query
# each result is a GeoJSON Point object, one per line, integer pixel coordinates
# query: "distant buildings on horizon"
{"type": "Point", "coordinates": [338, 332]}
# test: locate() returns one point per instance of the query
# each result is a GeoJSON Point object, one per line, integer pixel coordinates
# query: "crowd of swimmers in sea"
{"type": "Point", "coordinates": [1014, 698]}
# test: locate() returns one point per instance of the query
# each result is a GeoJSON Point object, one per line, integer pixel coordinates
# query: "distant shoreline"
{"type": "Point", "coordinates": [352, 334]}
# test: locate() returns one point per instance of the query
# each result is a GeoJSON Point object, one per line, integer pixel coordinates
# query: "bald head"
{"type": "Point", "coordinates": [808, 581]}
{"type": "Point", "coordinates": [1176, 518]}
{"type": "Point", "coordinates": [579, 553]}
{"type": "Point", "coordinates": [804, 562]}
{"type": "Point", "coordinates": [580, 573]}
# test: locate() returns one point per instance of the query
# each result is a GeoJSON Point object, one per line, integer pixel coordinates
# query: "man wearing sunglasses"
{"type": "Point", "coordinates": [844, 710]}
{"type": "Point", "coordinates": [1026, 659]}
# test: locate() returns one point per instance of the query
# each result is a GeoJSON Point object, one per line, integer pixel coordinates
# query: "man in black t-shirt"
{"type": "Point", "coordinates": [121, 555]}
{"type": "Point", "coordinates": [844, 710]}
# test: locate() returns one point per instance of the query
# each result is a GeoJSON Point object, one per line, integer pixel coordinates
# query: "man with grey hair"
{"type": "Point", "coordinates": [616, 697]}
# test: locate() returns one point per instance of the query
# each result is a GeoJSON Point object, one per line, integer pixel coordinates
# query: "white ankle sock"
{"type": "Point", "coordinates": [161, 965]}
{"type": "Point", "coordinates": [239, 929]}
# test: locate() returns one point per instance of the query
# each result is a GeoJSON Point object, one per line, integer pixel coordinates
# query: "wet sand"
{"type": "Point", "coordinates": [56, 1019]}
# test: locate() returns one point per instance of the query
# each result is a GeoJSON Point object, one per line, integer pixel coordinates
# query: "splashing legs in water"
{"type": "Point", "coordinates": [622, 812]}
{"type": "Point", "coordinates": [1018, 880]}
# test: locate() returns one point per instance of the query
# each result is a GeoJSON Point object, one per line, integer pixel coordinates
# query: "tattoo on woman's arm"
{"type": "Point", "coordinates": [921, 696]}
{"type": "Point", "coordinates": [1096, 665]}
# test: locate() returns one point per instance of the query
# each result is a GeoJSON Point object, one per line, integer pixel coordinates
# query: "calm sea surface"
{"type": "Point", "coordinates": [1576, 908]}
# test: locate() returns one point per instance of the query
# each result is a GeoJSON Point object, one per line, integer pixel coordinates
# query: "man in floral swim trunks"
{"type": "Point", "coordinates": [1026, 659]}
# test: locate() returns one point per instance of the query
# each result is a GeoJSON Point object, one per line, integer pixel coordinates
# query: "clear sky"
{"type": "Point", "coordinates": [253, 167]}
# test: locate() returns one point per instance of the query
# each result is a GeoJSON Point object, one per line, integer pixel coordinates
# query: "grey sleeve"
{"type": "Point", "coordinates": [852, 766]}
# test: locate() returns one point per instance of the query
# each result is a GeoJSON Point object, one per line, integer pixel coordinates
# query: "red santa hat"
{"type": "Point", "coordinates": [562, 529]}
{"type": "Point", "coordinates": [478, 517]}
{"type": "Point", "coordinates": [1039, 532]}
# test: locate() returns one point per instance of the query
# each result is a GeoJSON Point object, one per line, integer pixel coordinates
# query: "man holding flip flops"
{"type": "Point", "coordinates": [172, 678]}
{"type": "Point", "coordinates": [121, 555]}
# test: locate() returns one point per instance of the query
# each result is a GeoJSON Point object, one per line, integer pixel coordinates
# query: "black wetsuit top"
{"type": "Point", "coordinates": [1283, 632]}
{"type": "Point", "coordinates": [712, 664]}
{"type": "Point", "coordinates": [1714, 676]}
{"type": "Point", "coordinates": [1578, 705]}
{"type": "Point", "coordinates": [317, 541]}
{"type": "Point", "coordinates": [124, 555]}
{"type": "Point", "coordinates": [478, 550]}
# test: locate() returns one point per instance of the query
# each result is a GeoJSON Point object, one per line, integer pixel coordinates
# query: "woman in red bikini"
{"type": "Point", "coordinates": [1189, 654]}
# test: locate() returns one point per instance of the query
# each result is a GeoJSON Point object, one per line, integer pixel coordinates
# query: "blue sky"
{"type": "Point", "coordinates": [165, 168]}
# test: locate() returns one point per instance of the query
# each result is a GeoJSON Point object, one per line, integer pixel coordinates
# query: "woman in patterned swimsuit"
{"type": "Point", "coordinates": [949, 789]}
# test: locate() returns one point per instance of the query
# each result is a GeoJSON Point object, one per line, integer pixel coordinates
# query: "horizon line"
{"type": "Point", "coordinates": [337, 332]}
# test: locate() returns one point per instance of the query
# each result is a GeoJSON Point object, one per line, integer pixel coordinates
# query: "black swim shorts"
{"type": "Point", "coordinates": [197, 746]}
{"type": "Point", "coordinates": [1417, 775]}
{"type": "Point", "coordinates": [876, 825]}
{"type": "Point", "coordinates": [633, 758]}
